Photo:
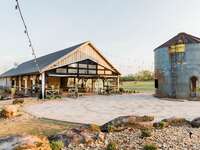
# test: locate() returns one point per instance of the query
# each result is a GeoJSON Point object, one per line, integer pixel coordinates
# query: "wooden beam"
{"type": "Point", "coordinates": [43, 85]}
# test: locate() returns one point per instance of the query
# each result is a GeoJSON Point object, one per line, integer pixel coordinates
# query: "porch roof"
{"type": "Point", "coordinates": [29, 67]}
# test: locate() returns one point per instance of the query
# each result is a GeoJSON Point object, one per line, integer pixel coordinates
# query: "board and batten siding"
{"type": "Point", "coordinates": [5, 82]}
{"type": "Point", "coordinates": [82, 53]}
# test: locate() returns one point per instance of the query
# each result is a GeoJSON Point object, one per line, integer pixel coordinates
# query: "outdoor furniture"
{"type": "Point", "coordinates": [52, 92]}
{"type": "Point", "coordinates": [73, 92]}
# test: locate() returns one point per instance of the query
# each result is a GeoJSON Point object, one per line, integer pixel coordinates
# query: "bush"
{"type": "Point", "coordinates": [159, 125]}
{"type": "Point", "coordinates": [111, 146]}
{"type": "Point", "coordinates": [145, 133]}
{"type": "Point", "coordinates": [121, 90]}
{"type": "Point", "coordinates": [150, 147]}
{"type": "Point", "coordinates": [94, 128]}
{"type": "Point", "coordinates": [57, 145]}
{"type": "Point", "coordinates": [111, 128]}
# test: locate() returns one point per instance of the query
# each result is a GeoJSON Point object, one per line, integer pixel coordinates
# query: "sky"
{"type": "Point", "coordinates": [125, 31]}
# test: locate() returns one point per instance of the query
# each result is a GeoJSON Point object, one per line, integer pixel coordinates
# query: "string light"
{"type": "Point", "coordinates": [17, 7]}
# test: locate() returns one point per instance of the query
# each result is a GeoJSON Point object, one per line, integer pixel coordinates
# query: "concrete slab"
{"type": "Point", "coordinates": [101, 109]}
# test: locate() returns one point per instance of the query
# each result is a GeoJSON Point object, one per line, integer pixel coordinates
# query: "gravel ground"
{"type": "Point", "coordinates": [172, 138]}
{"type": "Point", "coordinates": [101, 109]}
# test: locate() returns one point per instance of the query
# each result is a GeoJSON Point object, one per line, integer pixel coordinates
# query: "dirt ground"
{"type": "Point", "coordinates": [28, 124]}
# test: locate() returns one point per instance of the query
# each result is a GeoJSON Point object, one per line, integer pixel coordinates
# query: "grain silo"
{"type": "Point", "coordinates": [177, 67]}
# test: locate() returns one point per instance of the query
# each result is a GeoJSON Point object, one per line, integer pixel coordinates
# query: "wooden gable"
{"type": "Point", "coordinates": [86, 51]}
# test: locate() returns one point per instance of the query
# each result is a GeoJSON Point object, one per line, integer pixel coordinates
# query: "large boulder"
{"type": "Point", "coordinates": [25, 142]}
{"type": "Point", "coordinates": [81, 135]}
{"type": "Point", "coordinates": [9, 111]}
{"type": "Point", "coordinates": [124, 122]}
{"type": "Point", "coordinates": [174, 121]}
{"type": "Point", "coordinates": [196, 122]}
{"type": "Point", "coordinates": [18, 101]}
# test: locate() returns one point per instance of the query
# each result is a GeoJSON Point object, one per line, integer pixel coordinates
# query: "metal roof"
{"type": "Point", "coordinates": [29, 67]}
{"type": "Point", "coordinates": [183, 37]}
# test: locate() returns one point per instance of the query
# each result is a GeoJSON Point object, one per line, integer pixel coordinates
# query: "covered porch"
{"type": "Point", "coordinates": [85, 77]}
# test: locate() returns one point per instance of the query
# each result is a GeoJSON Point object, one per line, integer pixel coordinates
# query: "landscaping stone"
{"type": "Point", "coordinates": [18, 101]}
{"type": "Point", "coordinates": [174, 121]}
{"type": "Point", "coordinates": [9, 111]}
{"type": "Point", "coordinates": [123, 122]}
{"type": "Point", "coordinates": [196, 122]}
{"type": "Point", "coordinates": [25, 142]}
{"type": "Point", "coordinates": [78, 136]}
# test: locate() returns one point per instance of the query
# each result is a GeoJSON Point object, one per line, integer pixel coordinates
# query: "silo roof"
{"type": "Point", "coordinates": [184, 37]}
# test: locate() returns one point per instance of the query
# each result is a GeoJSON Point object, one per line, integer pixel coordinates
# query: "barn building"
{"type": "Point", "coordinates": [177, 67]}
{"type": "Point", "coordinates": [81, 65]}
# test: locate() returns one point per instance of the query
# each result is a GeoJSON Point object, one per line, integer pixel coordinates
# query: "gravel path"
{"type": "Point", "coordinates": [100, 109]}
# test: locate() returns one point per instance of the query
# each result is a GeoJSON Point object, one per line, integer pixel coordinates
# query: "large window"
{"type": "Point", "coordinates": [61, 70]}
{"type": "Point", "coordinates": [72, 71]}
{"type": "Point", "coordinates": [83, 71]}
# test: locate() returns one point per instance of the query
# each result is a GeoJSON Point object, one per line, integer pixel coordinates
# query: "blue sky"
{"type": "Point", "coordinates": [126, 31]}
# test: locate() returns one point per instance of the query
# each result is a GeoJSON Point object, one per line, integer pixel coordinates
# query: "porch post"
{"type": "Point", "coordinates": [93, 85]}
{"type": "Point", "coordinates": [117, 83]}
{"type": "Point", "coordinates": [33, 82]}
{"type": "Point", "coordinates": [43, 85]}
{"type": "Point", "coordinates": [26, 84]}
{"type": "Point", "coordinates": [20, 84]}
{"type": "Point", "coordinates": [15, 82]}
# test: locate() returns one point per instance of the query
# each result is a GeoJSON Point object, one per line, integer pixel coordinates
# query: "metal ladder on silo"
{"type": "Point", "coordinates": [174, 74]}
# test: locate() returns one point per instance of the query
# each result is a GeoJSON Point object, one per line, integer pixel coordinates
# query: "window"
{"type": "Point", "coordinates": [92, 72]}
{"type": "Point", "coordinates": [61, 70]}
{"type": "Point", "coordinates": [72, 71]}
{"type": "Point", "coordinates": [156, 83]}
{"type": "Point", "coordinates": [82, 65]}
{"type": "Point", "coordinates": [83, 71]}
{"type": "Point", "coordinates": [92, 66]}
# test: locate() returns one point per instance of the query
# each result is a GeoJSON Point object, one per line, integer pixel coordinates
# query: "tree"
{"type": "Point", "coordinates": [144, 75]}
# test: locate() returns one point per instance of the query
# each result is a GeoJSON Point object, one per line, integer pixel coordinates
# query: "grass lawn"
{"type": "Point", "coordinates": [141, 86]}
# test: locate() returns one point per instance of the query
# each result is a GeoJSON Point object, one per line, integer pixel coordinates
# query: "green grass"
{"type": "Point", "coordinates": [141, 86]}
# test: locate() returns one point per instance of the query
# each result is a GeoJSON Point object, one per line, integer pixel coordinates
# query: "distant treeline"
{"type": "Point", "coordinates": [144, 75]}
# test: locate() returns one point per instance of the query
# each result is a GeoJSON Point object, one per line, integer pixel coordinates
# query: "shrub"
{"type": "Point", "coordinates": [111, 146]}
{"type": "Point", "coordinates": [121, 90]}
{"type": "Point", "coordinates": [150, 147]}
{"type": "Point", "coordinates": [159, 125]}
{"type": "Point", "coordinates": [94, 128]}
{"type": "Point", "coordinates": [57, 145]}
{"type": "Point", "coordinates": [111, 128]}
{"type": "Point", "coordinates": [145, 133]}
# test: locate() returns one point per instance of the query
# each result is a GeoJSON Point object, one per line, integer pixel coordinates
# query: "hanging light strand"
{"type": "Point", "coordinates": [17, 7]}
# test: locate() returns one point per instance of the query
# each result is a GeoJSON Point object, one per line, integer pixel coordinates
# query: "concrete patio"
{"type": "Point", "coordinates": [100, 109]}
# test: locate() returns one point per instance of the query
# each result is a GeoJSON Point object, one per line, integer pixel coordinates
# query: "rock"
{"type": "Point", "coordinates": [101, 136]}
{"type": "Point", "coordinates": [123, 122]}
{"type": "Point", "coordinates": [9, 111]}
{"type": "Point", "coordinates": [18, 101]}
{"type": "Point", "coordinates": [77, 136]}
{"type": "Point", "coordinates": [196, 122]}
{"type": "Point", "coordinates": [176, 121]}
{"type": "Point", "coordinates": [25, 142]}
